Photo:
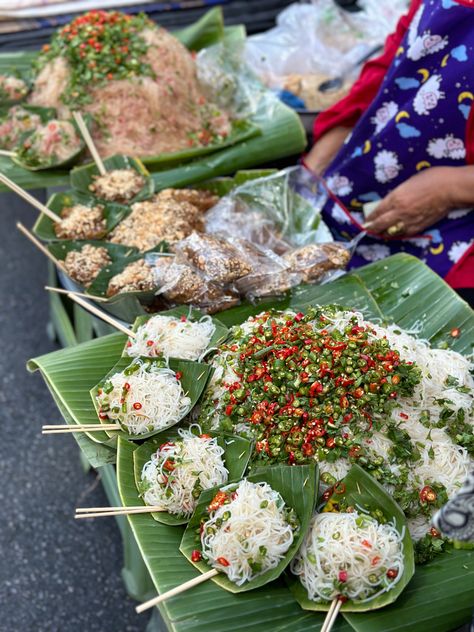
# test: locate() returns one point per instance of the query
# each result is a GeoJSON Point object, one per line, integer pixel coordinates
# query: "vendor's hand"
{"type": "Point", "coordinates": [418, 203]}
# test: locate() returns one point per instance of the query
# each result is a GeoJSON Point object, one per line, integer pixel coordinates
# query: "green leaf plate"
{"type": "Point", "coordinates": [236, 456]}
{"type": "Point", "coordinates": [298, 488]}
{"type": "Point", "coordinates": [194, 379]}
{"type": "Point", "coordinates": [362, 490]}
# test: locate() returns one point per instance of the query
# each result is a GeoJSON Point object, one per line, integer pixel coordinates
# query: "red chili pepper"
{"type": "Point", "coordinates": [137, 405]}
{"type": "Point", "coordinates": [126, 386]}
{"type": "Point", "coordinates": [367, 544]}
{"type": "Point", "coordinates": [427, 494]}
{"type": "Point", "coordinates": [392, 573]}
{"type": "Point", "coordinates": [342, 576]}
{"type": "Point", "coordinates": [375, 560]}
{"type": "Point", "coordinates": [205, 436]}
{"type": "Point", "coordinates": [403, 415]}
{"type": "Point", "coordinates": [359, 392]}
{"type": "Point", "coordinates": [344, 402]}
{"type": "Point", "coordinates": [330, 442]}
{"type": "Point", "coordinates": [149, 343]}
{"type": "Point", "coordinates": [339, 488]}
{"type": "Point", "coordinates": [434, 533]}
{"type": "Point", "coordinates": [168, 465]}
{"type": "Point", "coordinates": [218, 500]}
{"type": "Point", "coordinates": [179, 375]}
{"type": "Point", "coordinates": [346, 419]}
{"type": "Point", "coordinates": [196, 556]}
{"type": "Point", "coordinates": [455, 332]}
{"type": "Point", "coordinates": [222, 561]}
{"type": "Point", "coordinates": [299, 316]}
{"type": "Point", "coordinates": [103, 416]}
{"type": "Point", "coordinates": [228, 410]}
{"type": "Point", "coordinates": [183, 318]}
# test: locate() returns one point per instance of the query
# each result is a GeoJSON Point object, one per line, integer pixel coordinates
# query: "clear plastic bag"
{"type": "Point", "coordinates": [276, 212]}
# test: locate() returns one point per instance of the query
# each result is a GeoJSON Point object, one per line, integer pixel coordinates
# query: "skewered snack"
{"type": "Point", "coordinates": [85, 264]}
{"type": "Point", "coordinates": [136, 277]}
{"type": "Point", "coordinates": [117, 185]}
{"type": "Point", "coordinates": [145, 96]}
{"type": "Point", "coordinates": [169, 336]}
{"type": "Point", "coordinates": [15, 124]}
{"type": "Point", "coordinates": [180, 470]}
{"type": "Point", "coordinates": [247, 531]}
{"type": "Point", "coordinates": [159, 219]}
{"type": "Point", "coordinates": [349, 555]}
{"type": "Point", "coordinates": [53, 143]}
{"type": "Point", "coordinates": [216, 257]}
{"type": "Point", "coordinates": [144, 397]}
{"type": "Point", "coordinates": [12, 88]}
{"type": "Point", "coordinates": [81, 222]}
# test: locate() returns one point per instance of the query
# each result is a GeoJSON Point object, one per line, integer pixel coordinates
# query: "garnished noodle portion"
{"type": "Point", "coordinates": [144, 397]}
{"type": "Point", "coordinates": [350, 555]}
{"type": "Point", "coordinates": [330, 386]}
{"type": "Point", "coordinates": [248, 532]}
{"type": "Point", "coordinates": [180, 470]}
{"type": "Point", "coordinates": [172, 337]}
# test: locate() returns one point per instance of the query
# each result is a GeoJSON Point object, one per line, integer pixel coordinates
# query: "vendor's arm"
{"type": "Point", "coordinates": [424, 199]}
{"type": "Point", "coordinates": [332, 126]}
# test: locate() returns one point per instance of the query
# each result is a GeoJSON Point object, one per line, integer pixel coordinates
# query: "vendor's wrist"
{"type": "Point", "coordinates": [459, 186]}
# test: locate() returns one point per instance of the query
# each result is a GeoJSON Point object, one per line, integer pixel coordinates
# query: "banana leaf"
{"type": "Point", "coordinates": [220, 334]}
{"type": "Point", "coordinates": [194, 379]}
{"type": "Point", "coordinates": [348, 290]}
{"type": "Point", "coordinates": [240, 131]}
{"type": "Point", "coordinates": [206, 607]}
{"type": "Point", "coordinates": [44, 226]}
{"type": "Point", "coordinates": [280, 134]}
{"type": "Point", "coordinates": [298, 488]}
{"type": "Point", "coordinates": [236, 456]}
{"type": "Point", "coordinates": [362, 490]}
{"type": "Point", "coordinates": [411, 295]}
{"type": "Point", "coordinates": [82, 177]}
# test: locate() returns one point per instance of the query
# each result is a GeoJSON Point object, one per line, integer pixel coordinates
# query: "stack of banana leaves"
{"type": "Point", "coordinates": [399, 294]}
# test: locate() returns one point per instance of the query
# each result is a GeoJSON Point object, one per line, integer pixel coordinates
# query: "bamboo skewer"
{"type": "Point", "coordinates": [40, 246]}
{"type": "Point", "coordinates": [60, 429]}
{"type": "Point", "coordinates": [331, 616]}
{"type": "Point", "coordinates": [85, 510]}
{"type": "Point", "coordinates": [176, 591]}
{"type": "Point", "coordinates": [89, 142]}
{"type": "Point", "coordinates": [124, 511]}
{"type": "Point", "coordinates": [29, 198]}
{"type": "Point", "coordinates": [100, 314]}
{"type": "Point", "coordinates": [5, 152]}
{"type": "Point", "coordinates": [60, 290]}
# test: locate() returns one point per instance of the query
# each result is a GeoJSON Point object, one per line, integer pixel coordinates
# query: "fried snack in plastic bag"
{"type": "Point", "coordinates": [216, 257]}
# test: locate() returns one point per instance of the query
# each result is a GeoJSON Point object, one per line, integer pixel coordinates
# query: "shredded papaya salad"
{"type": "Point", "coordinates": [330, 387]}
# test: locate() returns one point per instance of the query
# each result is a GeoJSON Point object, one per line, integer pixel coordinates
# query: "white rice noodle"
{"type": "Point", "coordinates": [249, 528]}
{"type": "Point", "coordinates": [196, 460]}
{"type": "Point", "coordinates": [418, 527]}
{"type": "Point", "coordinates": [336, 542]}
{"type": "Point", "coordinates": [172, 337]}
{"type": "Point", "coordinates": [162, 399]}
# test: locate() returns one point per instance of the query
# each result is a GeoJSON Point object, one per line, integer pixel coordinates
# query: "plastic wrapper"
{"type": "Point", "coordinates": [277, 212]}
{"type": "Point", "coordinates": [316, 41]}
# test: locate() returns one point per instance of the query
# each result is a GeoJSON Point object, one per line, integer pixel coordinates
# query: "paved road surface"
{"type": "Point", "coordinates": [56, 574]}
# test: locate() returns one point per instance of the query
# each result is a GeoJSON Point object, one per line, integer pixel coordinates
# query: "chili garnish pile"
{"type": "Point", "coordinates": [99, 46]}
{"type": "Point", "coordinates": [306, 389]}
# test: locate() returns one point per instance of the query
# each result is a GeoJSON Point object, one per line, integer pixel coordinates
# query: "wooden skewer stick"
{"type": "Point", "coordinates": [56, 426]}
{"type": "Point", "coordinates": [4, 152]}
{"type": "Point", "coordinates": [40, 246]}
{"type": "Point", "coordinates": [100, 314]}
{"type": "Point", "coordinates": [29, 198]}
{"type": "Point", "coordinates": [176, 591]}
{"type": "Point", "coordinates": [331, 616]}
{"type": "Point", "coordinates": [76, 428]}
{"type": "Point", "coordinates": [116, 508]}
{"type": "Point", "coordinates": [60, 290]}
{"type": "Point", "coordinates": [89, 142]}
{"type": "Point", "coordinates": [125, 511]}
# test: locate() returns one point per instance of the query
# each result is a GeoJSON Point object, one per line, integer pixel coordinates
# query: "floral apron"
{"type": "Point", "coordinates": [416, 121]}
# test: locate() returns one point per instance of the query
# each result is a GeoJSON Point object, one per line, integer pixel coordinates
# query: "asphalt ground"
{"type": "Point", "coordinates": [56, 574]}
